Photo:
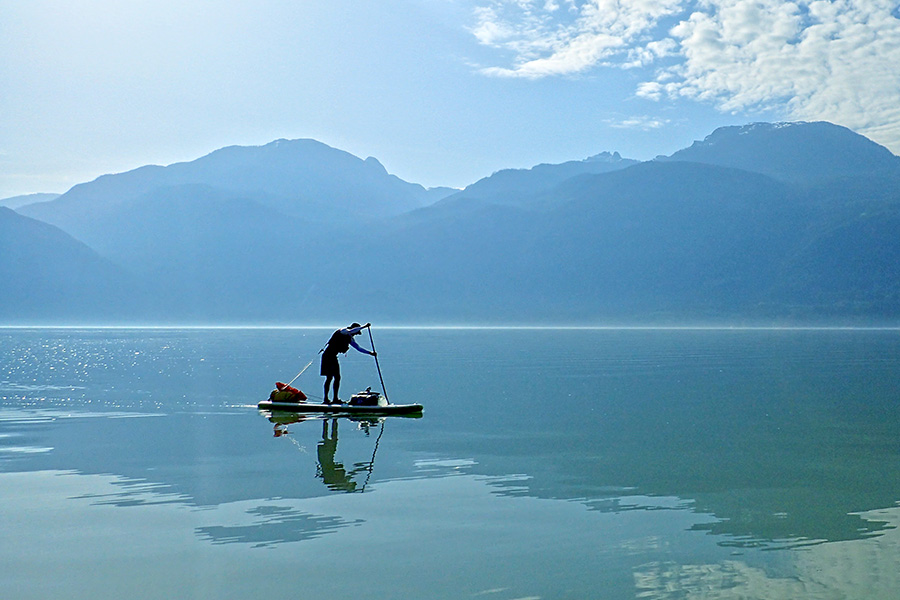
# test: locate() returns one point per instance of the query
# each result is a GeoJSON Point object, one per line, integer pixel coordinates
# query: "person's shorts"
{"type": "Point", "coordinates": [330, 366]}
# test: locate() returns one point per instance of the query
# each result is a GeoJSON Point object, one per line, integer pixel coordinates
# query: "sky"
{"type": "Point", "coordinates": [442, 92]}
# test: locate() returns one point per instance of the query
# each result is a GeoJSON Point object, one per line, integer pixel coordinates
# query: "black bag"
{"type": "Point", "coordinates": [366, 398]}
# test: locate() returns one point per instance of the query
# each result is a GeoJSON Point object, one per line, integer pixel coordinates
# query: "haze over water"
{"type": "Point", "coordinates": [637, 463]}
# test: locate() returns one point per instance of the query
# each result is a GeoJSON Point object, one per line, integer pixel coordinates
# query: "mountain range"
{"type": "Point", "coordinates": [17, 201]}
{"type": "Point", "coordinates": [765, 223]}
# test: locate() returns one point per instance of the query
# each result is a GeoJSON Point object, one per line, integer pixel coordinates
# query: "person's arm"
{"type": "Point", "coordinates": [360, 348]}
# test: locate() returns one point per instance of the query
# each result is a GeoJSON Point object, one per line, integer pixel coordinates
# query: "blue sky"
{"type": "Point", "coordinates": [442, 92]}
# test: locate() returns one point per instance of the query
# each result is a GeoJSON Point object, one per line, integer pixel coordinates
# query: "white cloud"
{"type": "Point", "coordinates": [833, 60]}
{"type": "Point", "coordinates": [641, 122]}
{"type": "Point", "coordinates": [548, 41]}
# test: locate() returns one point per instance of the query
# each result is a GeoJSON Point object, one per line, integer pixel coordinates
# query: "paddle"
{"type": "Point", "coordinates": [377, 366]}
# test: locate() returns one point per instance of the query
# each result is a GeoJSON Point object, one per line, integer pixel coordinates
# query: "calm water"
{"type": "Point", "coordinates": [548, 464]}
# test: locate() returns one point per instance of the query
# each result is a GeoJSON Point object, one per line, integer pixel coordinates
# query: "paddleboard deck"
{"type": "Point", "coordinates": [344, 409]}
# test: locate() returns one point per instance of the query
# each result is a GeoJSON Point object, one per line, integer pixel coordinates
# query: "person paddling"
{"type": "Point", "coordinates": [340, 342]}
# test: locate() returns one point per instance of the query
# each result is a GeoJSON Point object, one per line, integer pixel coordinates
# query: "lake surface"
{"type": "Point", "coordinates": [548, 464]}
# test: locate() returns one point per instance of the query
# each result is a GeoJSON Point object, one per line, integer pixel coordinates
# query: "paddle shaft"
{"type": "Point", "coordinates": [377, 366]}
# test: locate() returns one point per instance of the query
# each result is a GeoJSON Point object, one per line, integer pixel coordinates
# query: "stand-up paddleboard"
{"type": "Point", "coordinates": [365, 403]}
{"type": "Point", "coordinates": [342, 409]}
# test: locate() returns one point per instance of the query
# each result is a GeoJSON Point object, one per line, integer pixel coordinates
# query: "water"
{"type": "Point", "coordinates": [548, 464]}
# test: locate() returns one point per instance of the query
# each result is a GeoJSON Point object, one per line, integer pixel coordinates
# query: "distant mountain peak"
{"type": "Point", "coordinates": [373, 162]}
{"type": "Point", "coordinates": [790, 151]}
{"type": "Point", "coordinates": [605, 157]}
{"type": "Point", "coordinates": [728, 132]}
{"type": "Point", "coordinates": [525, 187]}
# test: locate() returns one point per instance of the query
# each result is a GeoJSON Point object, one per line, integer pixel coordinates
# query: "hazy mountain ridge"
{"type": "Point", "coordinates": [296, 177]}
{"type": "Point", "coordinates": [45, 272]}
{"type": "Point", "coordinates": [15, 202]}
{"type": "Point", "coordinates": [648, 240]}
{"type": "Point", "coordinates": [722, 230]}
{"type": "Point", "coordinates": [517, 186]}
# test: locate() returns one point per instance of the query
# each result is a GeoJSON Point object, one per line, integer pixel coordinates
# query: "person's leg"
{"type": "Point", "coordinates": [337, 385]}
{"type": "Point", "coordinates": [328, 379]}
{"type": "Point", "coordinates": [331, 371]}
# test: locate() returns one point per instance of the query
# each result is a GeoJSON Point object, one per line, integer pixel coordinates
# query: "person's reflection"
{"type": "Point", "coordinates": [332, 473]}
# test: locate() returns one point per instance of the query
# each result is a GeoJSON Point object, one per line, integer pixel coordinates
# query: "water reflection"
{"type": "Point", "coordinates": [784, 437]}
{"type": "Point", "coordinates": [686, 465]}
{"type": "Point", "coordinates": [329, 469]}
{"type": "Point", "coordinates": [866, 569]}
{"type": "Point", "coordinates": [274, 524]}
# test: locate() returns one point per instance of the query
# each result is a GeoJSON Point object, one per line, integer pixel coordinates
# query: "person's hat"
{"type": "Point", "coordinates": [355, 325]}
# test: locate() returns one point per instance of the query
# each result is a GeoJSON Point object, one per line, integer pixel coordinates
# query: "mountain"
{"type": "Point", "coordinates": [762, 224]}
{"type": "Point", "coordinates": [713, 241]}
{"type": "Point", "coordinates": [210, 238]}
{"type": "Point", "coordinates": [206, 255]}
{"type": "Point", "coordinates": [648, 242]}
{"type": "Point", "coordinates": [46, 274]}
{"type": "Point", "coordinates": [299, 178]}
{"type": "Point", "coordinates": [516, 187]}
{"type": "Point", "coordinates": [667, 239]}
{"type": "Point", "coordinates": [796, 152]}
{"type": "Point", "coordinates": [17, 201]}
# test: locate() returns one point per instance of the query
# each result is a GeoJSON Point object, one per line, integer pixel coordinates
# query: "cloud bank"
{"type": "Point", "coordinates": [833, 60]}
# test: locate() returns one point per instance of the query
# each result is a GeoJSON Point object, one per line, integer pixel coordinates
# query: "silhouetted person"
{"type": "Point", "coordinates": [340, 342]}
